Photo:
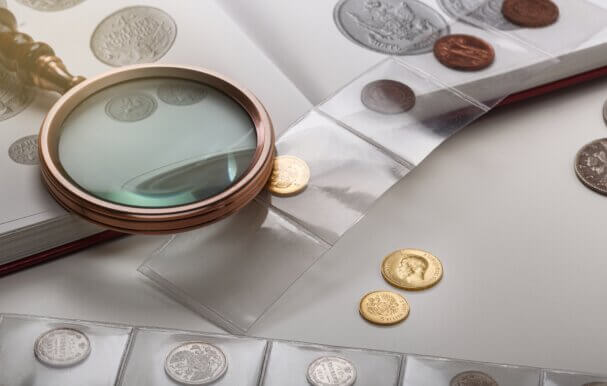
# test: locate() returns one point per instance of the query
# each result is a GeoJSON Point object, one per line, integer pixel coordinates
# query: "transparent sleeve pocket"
{"type": "Point", "coordinates": [51, 352]}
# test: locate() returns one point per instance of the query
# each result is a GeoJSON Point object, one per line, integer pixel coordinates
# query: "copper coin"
{"type": "Point", "coordinates": [388, 97]}
{"type": "Point", "coordinates": [591, 165]}
{"type": "Point", "coordinates": [464, 52]}
{"type": "Point", "coordinates": [531, 13]}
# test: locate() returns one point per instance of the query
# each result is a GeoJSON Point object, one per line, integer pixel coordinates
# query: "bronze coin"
{"type": "Point", "coordinates": [464, 52]}
{"type": "Point", "coordinates": [388, 97]}
{"type": "Point", "coordinates": [531, 13]}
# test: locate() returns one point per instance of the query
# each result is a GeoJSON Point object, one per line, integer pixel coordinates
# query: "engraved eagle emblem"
{"type": "Point", "coordinates": [392, 22]}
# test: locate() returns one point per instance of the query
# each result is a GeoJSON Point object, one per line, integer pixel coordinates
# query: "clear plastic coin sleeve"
{"type": "Point", "coordinates": [19, 365]}
{"type": "Point", "coordinates": [563, 378]}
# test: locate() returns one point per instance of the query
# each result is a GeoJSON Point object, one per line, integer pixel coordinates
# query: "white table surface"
{"type": "Point", "coordinates": [521, 240]}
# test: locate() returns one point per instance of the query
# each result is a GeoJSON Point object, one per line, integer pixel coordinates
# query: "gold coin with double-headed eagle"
{"type": "Point", "coordinates": [290, 175]}
{"type": "Point", "coordinates": [384, 308]}
{"type": "Point", "coordinates": [412, 269]}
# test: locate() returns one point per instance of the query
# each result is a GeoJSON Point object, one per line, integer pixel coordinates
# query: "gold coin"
{"type": "Point", "coordinates": [384, 307]}
{"type": "Point", "coordinates": [290, 175]}
{"type": "Point", "coordinates": [412, 269]}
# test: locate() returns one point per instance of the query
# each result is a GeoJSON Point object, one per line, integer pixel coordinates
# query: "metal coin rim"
{"type": "Point", "coordinates": [92, 47]}
{"type": "Point", "coordinates": [410, 288]}
{"type": "Point", "coordinates": [451, 383]}
{"type": "Point", "coordinates": [464, 68]}
{"type": "Point", "coordinates": [221, 374]}
{"type": "Point", "coordinates": [578, 172]}
{"type": "Point", "coordinates": [344, 32]}
{"type": "Point", "coordinates": [73, 362]}
{"type": "Point", "coordinates": [109, 114]}
{"type": "Point", "coordinates": [404, 86]}
{"type": "Point", "coordinates": [299, 190]}
{"type": "Point", "coordinates": [513, 20]}
{"type": "Point", "coordinates": [362, 313]}
{"type": "Point", "coordinates": [331, 357]}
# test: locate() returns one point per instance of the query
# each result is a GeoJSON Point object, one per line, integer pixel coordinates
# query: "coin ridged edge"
{"type": "Point", "coordinates": [418, 288]}
{"type": "Point", "coordinates": [362, 314]}
{"type": "Point", "coordinates": [223, 355]}
{"type": "Point", "coordinates": [63, 364]}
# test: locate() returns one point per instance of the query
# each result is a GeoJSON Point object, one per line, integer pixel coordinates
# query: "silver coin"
{"type": "Point", "coordinates": [62, 347]}
{"type": "Point", "coordinates": [478, 13]}
{"type": "Point", "coordinates": [50, 5]}
{"type": "Point", "coordinates": [195, 363]}
{"type": "Point", "coordinates": [181, 93]}
{"type": "Point", "coordinates": [25, 150]}
{"type": "Point", "coordinates": [14, 96]}
{"type": "Point", "coordinates": [131, 108]}
{"type": "Point", "coordinates": [393, 27]}
{"type": "Point", "coordinates": [591, 165]}
{"type": "Point", "coordinates": [331, 371]}
{"type": "Point", "coordinates": [473, 378]}
{"type": "Point", "coordinates": [134, 35]}
{"type": "Point", "coordinates": [387, 96]}
{"type": "Point", "coordinates": [605, 111]}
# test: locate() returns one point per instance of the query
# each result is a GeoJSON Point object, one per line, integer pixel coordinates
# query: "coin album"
{"type": "Point", "coordinates": [127, 356]}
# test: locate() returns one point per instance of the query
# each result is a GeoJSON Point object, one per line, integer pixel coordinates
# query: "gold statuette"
{"type": "Point", "coordinates": [412, 269]}
{"type": "Point", "coordinates": [289, 176]}
{"type": "Point", "coordinates": [384, 307]}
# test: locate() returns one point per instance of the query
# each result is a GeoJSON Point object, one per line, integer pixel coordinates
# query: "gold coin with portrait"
{"type": "Point", "coordinates": [290, 175]}
{"type": "Point", "coordinates": [412, 269]}
{"type": "Point", "coordinates": [384, 307]}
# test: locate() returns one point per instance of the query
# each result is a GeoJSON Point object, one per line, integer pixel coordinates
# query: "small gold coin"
{"type": "Point", "coordinates": [412, 269]}
{"type": "Point", "coordinates": [289, 176]}
{"type": "Point", "coordinates": [384, 307]}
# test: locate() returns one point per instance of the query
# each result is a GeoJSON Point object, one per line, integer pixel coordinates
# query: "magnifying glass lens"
{"type": "Point", "coordinates": [157, 143]}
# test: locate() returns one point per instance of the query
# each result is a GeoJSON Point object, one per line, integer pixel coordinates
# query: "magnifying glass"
{"type": "Point", "coordinates": [147, 148]}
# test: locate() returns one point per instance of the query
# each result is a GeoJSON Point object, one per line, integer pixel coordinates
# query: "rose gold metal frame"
{"type": "Point", "coordinates": [155, 220]}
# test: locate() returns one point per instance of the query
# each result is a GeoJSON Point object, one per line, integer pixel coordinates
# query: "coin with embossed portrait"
{"type": "Point", "coordinates": [62, 347]}
{"type": "Point", "coordinates": [478, 13]}
{"type": "Point", "coordinates": [25, 150]}
{"type": "Point", "coordinates": [473, 378]}
{"type": "Point", "coordinates": [412, 269]}
{"type": "Point", "coordinates": [131, 107]}
{"type": "Point", "coordinates": [392, 27]}
{"type": "Point", "coordinates": [50, 5]}
{"type": "Point", "coordinates": [181, 93]}
{"type": "Point", "coordinates": [388, 96]}
{"type": "Point", "coordinates": [195, 363]}
{"type": "Point", "coordinates": [14, 96]}
{"type": "Point", "coordinates": [384, 307]}
{"type": "Point", "coordinates": [134, 35]}
{"type": "Point", "coordinates": [464, 52]}
{"type": "Point", "coordinates": [331, 371]}
{"type": "Point", "coordinates": [531, 13]}
{"type": "Point", "coordinates": [591, 165]}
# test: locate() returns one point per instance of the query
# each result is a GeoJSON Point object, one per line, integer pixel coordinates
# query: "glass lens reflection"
{"type": "Point", "coordinates": [157, 142]}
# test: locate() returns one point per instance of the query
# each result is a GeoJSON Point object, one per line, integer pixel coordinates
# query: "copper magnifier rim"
{"type": "Point", "coordinates": [172, 219]}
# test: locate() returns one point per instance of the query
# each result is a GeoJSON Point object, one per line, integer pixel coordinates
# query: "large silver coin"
{"type": "Point", "coordinates": [388, 97]}
{"type": "Point", "coordinates": [331, 371]}
{"type": "Point", "coordinates": [591, 165]}
{"type": "Point", "coordinates": [478, 13]}
{"type": "Point", "coordinates": [14, 96]}
{"type": "Point", "coordinates": [50, 5]}
{"type": "Point", "coordinates": [181, 93]}
{"type": "Point", "coordinates": [393, 27]}
{"type": "Point", "coordinates": [62, 347]}
{"type": "Point", "coordinates": [195, 363]}
{"type": "Point", "coordinates": [133, 35]}
{"type": "Point", "coordinates": [25, 150]}
{"type": "Point", "coordinates": [131, 108]}
{"type": "Point", "coordinates": [473, 378]}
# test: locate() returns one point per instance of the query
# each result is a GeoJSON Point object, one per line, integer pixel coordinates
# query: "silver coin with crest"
{"type": "Point", "coordinates": [181, 93]}
{"type": "Point", "coordinates": [134, 35]}
{"type": "Point", "coordinates": [25, 150]}
{"type": "Point", "coordinates": [473, 378]}
{"type": "Point", "coordinates": [50, 5]}
{"type": "Point", "coordinates": [331, 371]}
{"type": "Point", "coordinates": [14, 96]}
{"type": "Point", "coordinates": [131, 107]}
{"type": "Point", "coordinates": [62, 347]}
{"type": "Point", "coordinates": [478, 13]}
{"type": "Point", "coordinates": [195, 363]}
{"type": "Point", "coordinates": [591, 165]}
{"type": "Point", "coordinates": [393, 27]}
